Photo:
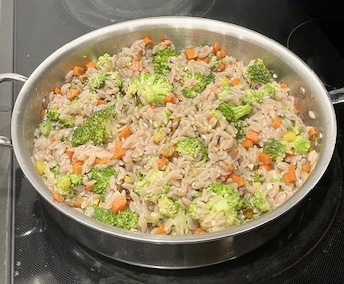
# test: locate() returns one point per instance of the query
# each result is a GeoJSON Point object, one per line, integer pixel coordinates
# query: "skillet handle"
{"type": "Point", "coordinates": [11, 77]}
{"type": "Point", "coordinates": [337, 96]}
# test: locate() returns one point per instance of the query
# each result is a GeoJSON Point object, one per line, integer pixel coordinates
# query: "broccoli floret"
{"type": "Point", "coordinates": [259, 201]}
{"type": "Point", "coordinates": [150, 88]}
{"type": "Point", "coordinates": [226, 91]}
{"type": "Point", "coordinates": [257, 72]}
{"type": "Point", "coordinates": [202, 82]}
{"type": "Point", "coordinates": [162, 118]}
{"type": "Point", "coordinates": [162, 58]}
{"type": "Point", "coordinates": [67, 123]}
{"type": "Point", "coordinates": [53, 114]}
{"type": "Point", "coordinates": [224, 200]}
{"type": "Point", "coordinates": [234, 113]}
{"type": "Point", "coordinates": [145, 181]}
{"type": "Point", "coordinates": [46, 127]}
{"type": "Point", "coordinates": [256, 96]}
{"type": "Point", "coordinates": [301, 145]}
{"type": "Point", "coordinates": [65, 185]}
{"type": "Point", "coordinates": [55, 170]}
{"type": "Point", "coordinates": [125, 219]}
{"type": "Point", "coordinates": [168, 206]}
{"type": "Point", "coordinates": [276, 148]}
{"type": "Point", "coordinates": [97, 80]}
{"type": "Point", "coordinates": [103, 59]}
{"type": "Point", "coordinates": [190, 146]}
{"type": "Point", "coordinates": [97, 128]}
{"type": "Point", "coordinates": [102, 177]}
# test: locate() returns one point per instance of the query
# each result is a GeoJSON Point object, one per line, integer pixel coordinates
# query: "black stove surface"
{"type": "Point", "coordinates": [309, 250]}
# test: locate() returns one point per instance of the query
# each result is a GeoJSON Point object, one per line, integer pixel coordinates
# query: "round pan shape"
{"type": "Point", "coordinates": [173, 252]}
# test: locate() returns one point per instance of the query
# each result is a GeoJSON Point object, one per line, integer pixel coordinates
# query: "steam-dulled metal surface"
{"type": "Point", "coordinates": [310, 249]}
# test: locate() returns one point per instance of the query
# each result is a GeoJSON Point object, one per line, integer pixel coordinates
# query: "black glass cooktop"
{"type": "Point", "coordinates": [309, 250]}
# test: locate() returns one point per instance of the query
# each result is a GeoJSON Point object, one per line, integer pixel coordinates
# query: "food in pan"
{"type": "Point", "coordinates": [173, 141]}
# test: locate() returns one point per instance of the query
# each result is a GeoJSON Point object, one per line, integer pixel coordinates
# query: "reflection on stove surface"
{"type": "Point", "coordinates": [99, 13]}
{"type": "Point", "coordinates": [66, 260]}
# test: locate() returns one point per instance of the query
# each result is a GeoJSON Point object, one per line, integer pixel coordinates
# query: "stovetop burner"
{"type": "Point", "coordinates": [99, 13]}
{"type": "Point", "coordinates": [319, 43]}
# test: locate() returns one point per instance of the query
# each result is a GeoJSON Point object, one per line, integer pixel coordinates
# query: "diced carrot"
{"type": "Point", "coordinates": [235, 81]}
{"type": "Point", "coordinates": [161, 230]}
{"type": "Point", "coordinates": [230, 167]}
{"type": "Point", "coordinates": [221, 54]}
{"type": "Point", "coordinates": [276, 122]}
{"type": "Point", "coordinates": [125, 132]}
{"type": "Point", "coordinates": [252, 135]}
{"type": "Point", "coordinates": [89, 187]}
{"type": "Point", "coordinates": [100, 102]}
{"type": "Point", "coordinates": [91, 64]}
{"type": "Point", "coordinates": [312, 132]}
{"type": "Point", "coordinates": [58, 197]}
{"type": "Point", "coordinates": [77, 166]}
{"type": "Point", "coordinates": [118, 152]}
{"type": "Point", "coordinates": [214, 88]}
{"type": "Point", "coordinates": [69, 153]}
{"type": "Point", "coordinates": [247, 143]}
{"type": "Point", "coordinates": [101, 161]}
{"type": "Point", "coordinates": [221, 67]}
{"type": "Point", "coordinates": [119, 204]}
{"type": "Point", "coordinates": [284, 85]}
{"type": "Point", "coordinates": [240, 181]}
{"type": "Point", "coordinates": [72, 93]}
{"type": "Point", "coordinates": [162, 162]}
{"type": "Point", "coordinates": [57, 91]}
{"type": "Point", "coordinates": [41, 113]}
{"type": "Point", "coordinates": [267, 167]}
{"type": "Point", "coordinates": [78, 70]}
{"type": "Point", "coordinates": [199, 230]}
{"type": "Point", "coordinates": [169, 99]}
{"type": "Point", "coordinates": [52, 140]}
{"type": "Point", "coordinates": [235, 152]}
{"type": "Point", "coordinates": [135, 65]}
{"type": "Point", "coordinates": [306, 167]}
{"type": "Point", "coordinates": [204, 59]}
{"type": "Point", "coordinates": [264, 158]}
{"type": "Point", "coordinates": [137, 56]}
{"type": "Point", "coordinates": [216, 47]}
{"type": "Point", "coordinates": [153, 105]}
{"type": "Point", "coordinates": [190, 53]}
{"type": "Point", "coordinates": [148, 41]}
{"type": "Point", "coordinates": [290, 175]}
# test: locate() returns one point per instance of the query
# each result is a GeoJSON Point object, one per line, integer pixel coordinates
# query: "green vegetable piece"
{"type": "Point", "coordinates": [150, 88]}
{"type": "Point", "coordinates": [125, 219]}
{"type": "Point", "coordinates": [46, 127]}
{"type": "Point", "coordinates": [190, 146]}
{"type": "Point", "coordinates": [65, 185]}
{"type": "Point", "coordinates": [258, 200]}
{"type": "Point", "coordinates": [256, 96]}
{"type": "Point", "coordinates": [103, 59]}
{"type": "Point", "coordinates": [161, 60]}
{"type": "Point", "coordinates": [302, 145]}
{"type": "Point", "coordinates": [203, 81]}
{"type": "Point", "coordinates": [53, 114]}
{"type": "Point", "coordinates": [257, 72]}
{"type": "Point", "coordinates": [97, 128]}
{"type": "Point", "coordinates": [234, 113]}
{"type": "Point", "coordinates": [276, 148]}
{"type": "Point", "coordinates": [102, 177]}
{"type": "Point", "coordinates": [168, 206]}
